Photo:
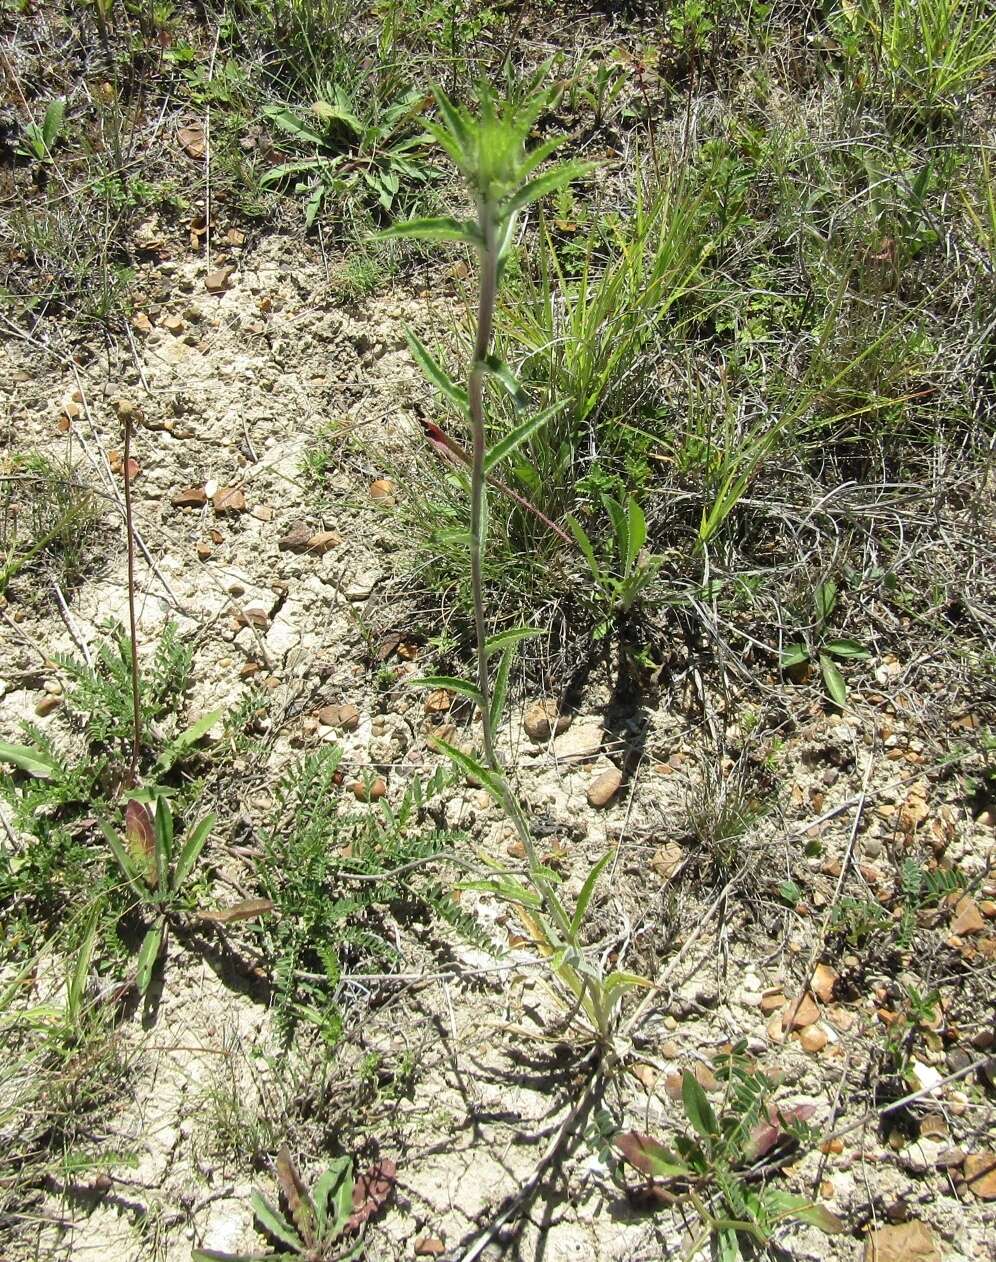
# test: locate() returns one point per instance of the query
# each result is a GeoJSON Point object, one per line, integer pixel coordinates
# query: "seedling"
{"type": "Point", "coordinates": [618, 589]}
{"type": "Point", "coordinates": [39, 141]}
{"type": "Point", "coordinates": [323, 1225]}
{"type": "Point", "coordinates": [827, 652]}
{"type": "Point", "coordinates": [145, 856]}
{"type": "Point", "coordinates": [720, 1166]}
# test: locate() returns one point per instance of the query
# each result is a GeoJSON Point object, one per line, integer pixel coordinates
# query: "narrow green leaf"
{"type": "Point", "coordinates": [521, 434]}
{"type": "Point", "coordinates": [540, 185]}
{"type": "Point", "coordinates": [636, 534]}
{"type": "Point", "coordinates": [289, 122]}
{"type": "Point", "coordinates": [620, 526]}
{"type": "Point", "coordinates": [192, 848]}
{"type": "Point", "coordinates": [81, 969]}
{"type": "Point", "coordinates": [433, 371]}
{"type": "Point", "coordinates": [620, 980]}
{"type": "Point", "coordinates": [587, 890]}
{"type": "Point", "coordinates": [499, 689]}
{"type": "Point", "coordinates": [124, 860]}
{"type": "Point", "coordinates": [584, 543]}
{"type": "Point", "coordinates": [845, 649]}
{"type": "Point", "coordinates": [333, 1191]}
{"type": "Point", "coordinates": [187, 738]}
{"type": "Point", "coordinates": [330, 113]}
{"type": "Point", "coordinates": [825, 599]}
{"type": "Point", "coordinates": [511, 891]}
{"type": "Point", "coordinates": [274, 1223]}
{"type": "Point", "coordinates": [471, 767]}
{"type": "Point", "coordinates": [148, 953]}
{"type": "Point", "coordinates": [513, 635]}
{"type": "Point", "coordinates": [26, 758]}
{"type": "Point", "coordinates": [834, 680]}
{"type": "Point", "coordinates": [451, 683]}
{"type": "Point", "coordinates": [698, 1110]}
{"type": "Point", "coordinates": [163, 821]}
{"type": "Point", "coordinates": [53, 122]}
{"type": "Point", "coordinates": [501, 371]}
{"type": "Point", "coordinates": [438, 229]}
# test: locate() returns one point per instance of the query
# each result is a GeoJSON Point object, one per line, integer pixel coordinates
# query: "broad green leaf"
{"type": "Point", "coordinates": [192, 848]}
{"type": "Point", "coordinates": [521, 434]}
{"type": "Point", "coordinates": [587, 890]}
{"type": "Point", "coordinates": [333, 1196]}
{"type": "Point", "coordinates": [330, 113]}
{"type": "Point", "coordinates": [433, 371]}
{"type": "Point", "coordinates": [834, 680]}
{"type": "Point", "coordinates": [698, 1110]}
{"type": "Point", "coordinates": [794, 655]}
{"type": "Point", "coordinates": [314, 205]}
{"type": "Point", "coordinates": [275, 174]}
{"type": "Point", "coordinates": [275, 1223]}
{"type": "Point", "coordinates": [648, 1156]}
{"type": "Point", "coordinates": [53, 122]}
{"type": "Point", "coordinates": [26, 758]}
{"type": "Point", "coordinates": [513, 635]}
{"type": "Point", "coordinates": [845, 649]}
{"type": "Point", "coordinates": [449, 682]}
{"type": "Point", "coordinates": [781, 1204]}
{"type": "Point", "coordinates": [625, 981]}
{"type": "Point", "coordinates": [442, 228]}
{"type": "Point", "coordinates": [148, 953]}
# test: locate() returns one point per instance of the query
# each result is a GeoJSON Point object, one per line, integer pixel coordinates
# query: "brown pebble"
{"type": "Point", "coordinates": [382, 491]}
{"type": "Point", "coordinates": [204, 550]}
{"type": "Point", "coordinates": [229, 499]}
{"type": "Point", "coordinates": [322, 542]}
{"type": "Point", "coordinates": [47, 705]}
{"type": "Point", "coordinates": [812, 1039]}
{"type": "Point", "coordinates": [604, 788]}
{"type": "Point", "coordinates": [189, 497]}
{"type": "Point", "coordinates": [801, 1012]}
{"type": "Point", "coordinates": [543, 719]}
{"type": "Point", "coordinates": [772, 1001]}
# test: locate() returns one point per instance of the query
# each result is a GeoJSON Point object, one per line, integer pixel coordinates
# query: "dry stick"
{"type": "Point", "coordinates": [71, 626]}
{"type": "Point", "coordinates": [136, 702]}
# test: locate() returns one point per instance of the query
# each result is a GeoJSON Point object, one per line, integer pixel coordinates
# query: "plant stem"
{"type": "Point", "coordinates": [136, 702]}
{"type": "Point", "coordinates": [478, 481]}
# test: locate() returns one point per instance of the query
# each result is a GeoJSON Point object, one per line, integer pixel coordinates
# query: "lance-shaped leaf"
{"type": "Point", "coordinates": [274, 1223]}
{"type": "Point", "coordinates": [140, 838]}
{"type": "Point", "coordinates": [496, 643]}
{"type": "Point", "coordinates": [698, 1110]}
{"type": "Point", "coordinates": [299, 1203]}
{"type": "Point", "coordinates": [451, 683]}
{"type": "Point", "coordinates": [148, 953]}
{"type": "Point", "coordinates": [441, 228]}
{"type": "Point", "coordinates": [26, 758]}
{"type": "Point", "coordinates": [521, 434]}
{"type": "Point", "coordinates": [192, 848]}
{"type": "Point", "coordinates": [332, 1196]}
{"type": "Point", "coordinates": [434, 372]}
{"type": "Point", "coordinates": [834, 680]}
{"type": "Point", "coordinates": [540, 185]}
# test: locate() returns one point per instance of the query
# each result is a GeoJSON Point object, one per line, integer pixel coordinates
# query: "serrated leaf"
{"type": "Point", "coordinates": [26, 758]}
{"type": "Point", "coordinates": [274, 1222]}
{"type": "Point", "coordinates": [148, 954]}
{"type": "Point", "coordinates": [834, 680]}
{"type": "Point", "coordinates": [698, 1110]}
{"type": "Point", "coordinates": [648, 1156]}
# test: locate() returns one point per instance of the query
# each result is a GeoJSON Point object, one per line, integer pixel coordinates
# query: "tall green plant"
{"type": "Point", "coordinates": [490, 152]}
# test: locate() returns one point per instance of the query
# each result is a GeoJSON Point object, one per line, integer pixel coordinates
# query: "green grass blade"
{"type": "Point", "coordinates": [191, 851]}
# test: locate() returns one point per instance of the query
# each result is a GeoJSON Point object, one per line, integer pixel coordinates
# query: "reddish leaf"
{"type": "Point", "coordinates": [647, 1155]}
{"type": "Point", "coordinates": [248, 909]}
{"type": "Point", "coordinates": [371, 1191]}
{"type": "Point", "coordinates": [140, 836]}
{"type": "Point", "coordinates": [298, 1200]}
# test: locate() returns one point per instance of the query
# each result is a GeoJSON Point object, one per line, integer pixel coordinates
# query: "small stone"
{"type": "Point", "coordinates": [772, 1001]}
{"type": "Point", "coordinates": [801, 1012]}
{"type": "Point", "coordinates": [980, 1175]}
{"type": "Point", "coordinates": [667, 860]}
{"type": "Point", "coordinates": [322, 542]}
{"type": "Point", "coordinates": [774, 1029]}
{"type": "Point", "coordinates": [933, 1126]}
{"type": "Point", "coordinates": [141, 323]}
{"type": "Point", "coordinates": [581, 742]}
{"type": "Point", "coordinates": [173, 324]}
{"type": "Point", "coordinates": [296, 539]}
{"type": "Point", "coordinates": [823, 981]}
{"type": "Point", "coordinates": [429, 1247]}
{"type": "Point", "coordinates": [382, 491]}
{"type": "Point", "coordinates": [967, 919]}
{"type": "Point", "coordinates": [371, 792]}
{"type": "Point", "coordinates": [669, 1050]}
{"type": "Point", "coordinates": [229, 499]}
{"type": "Point", "coordinates": [903, 1242]}
{"type": "Point", "coordinates": [672, 1085]}
{"type": "Point", "coordinates": [813, 1039]}
{"type": "Point", "coordinates": [707, 1080]}
{"type": "Point", "coordinates": [204, 551]}
{"type": "Point", "coordinates": [543, 719]}
{"type": "Point", "coordinates": [47, 704]}
{"type": "Point", "coordinates": [604, 788]}
{"type": "Point", "coordinates": [217, 281]}
{"type": "Point", "coordinates": [438, 701]}
{"type": "Point", "coordinates": [263, 512]}
{"type": "Point", "coordinates": [349, 717]}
